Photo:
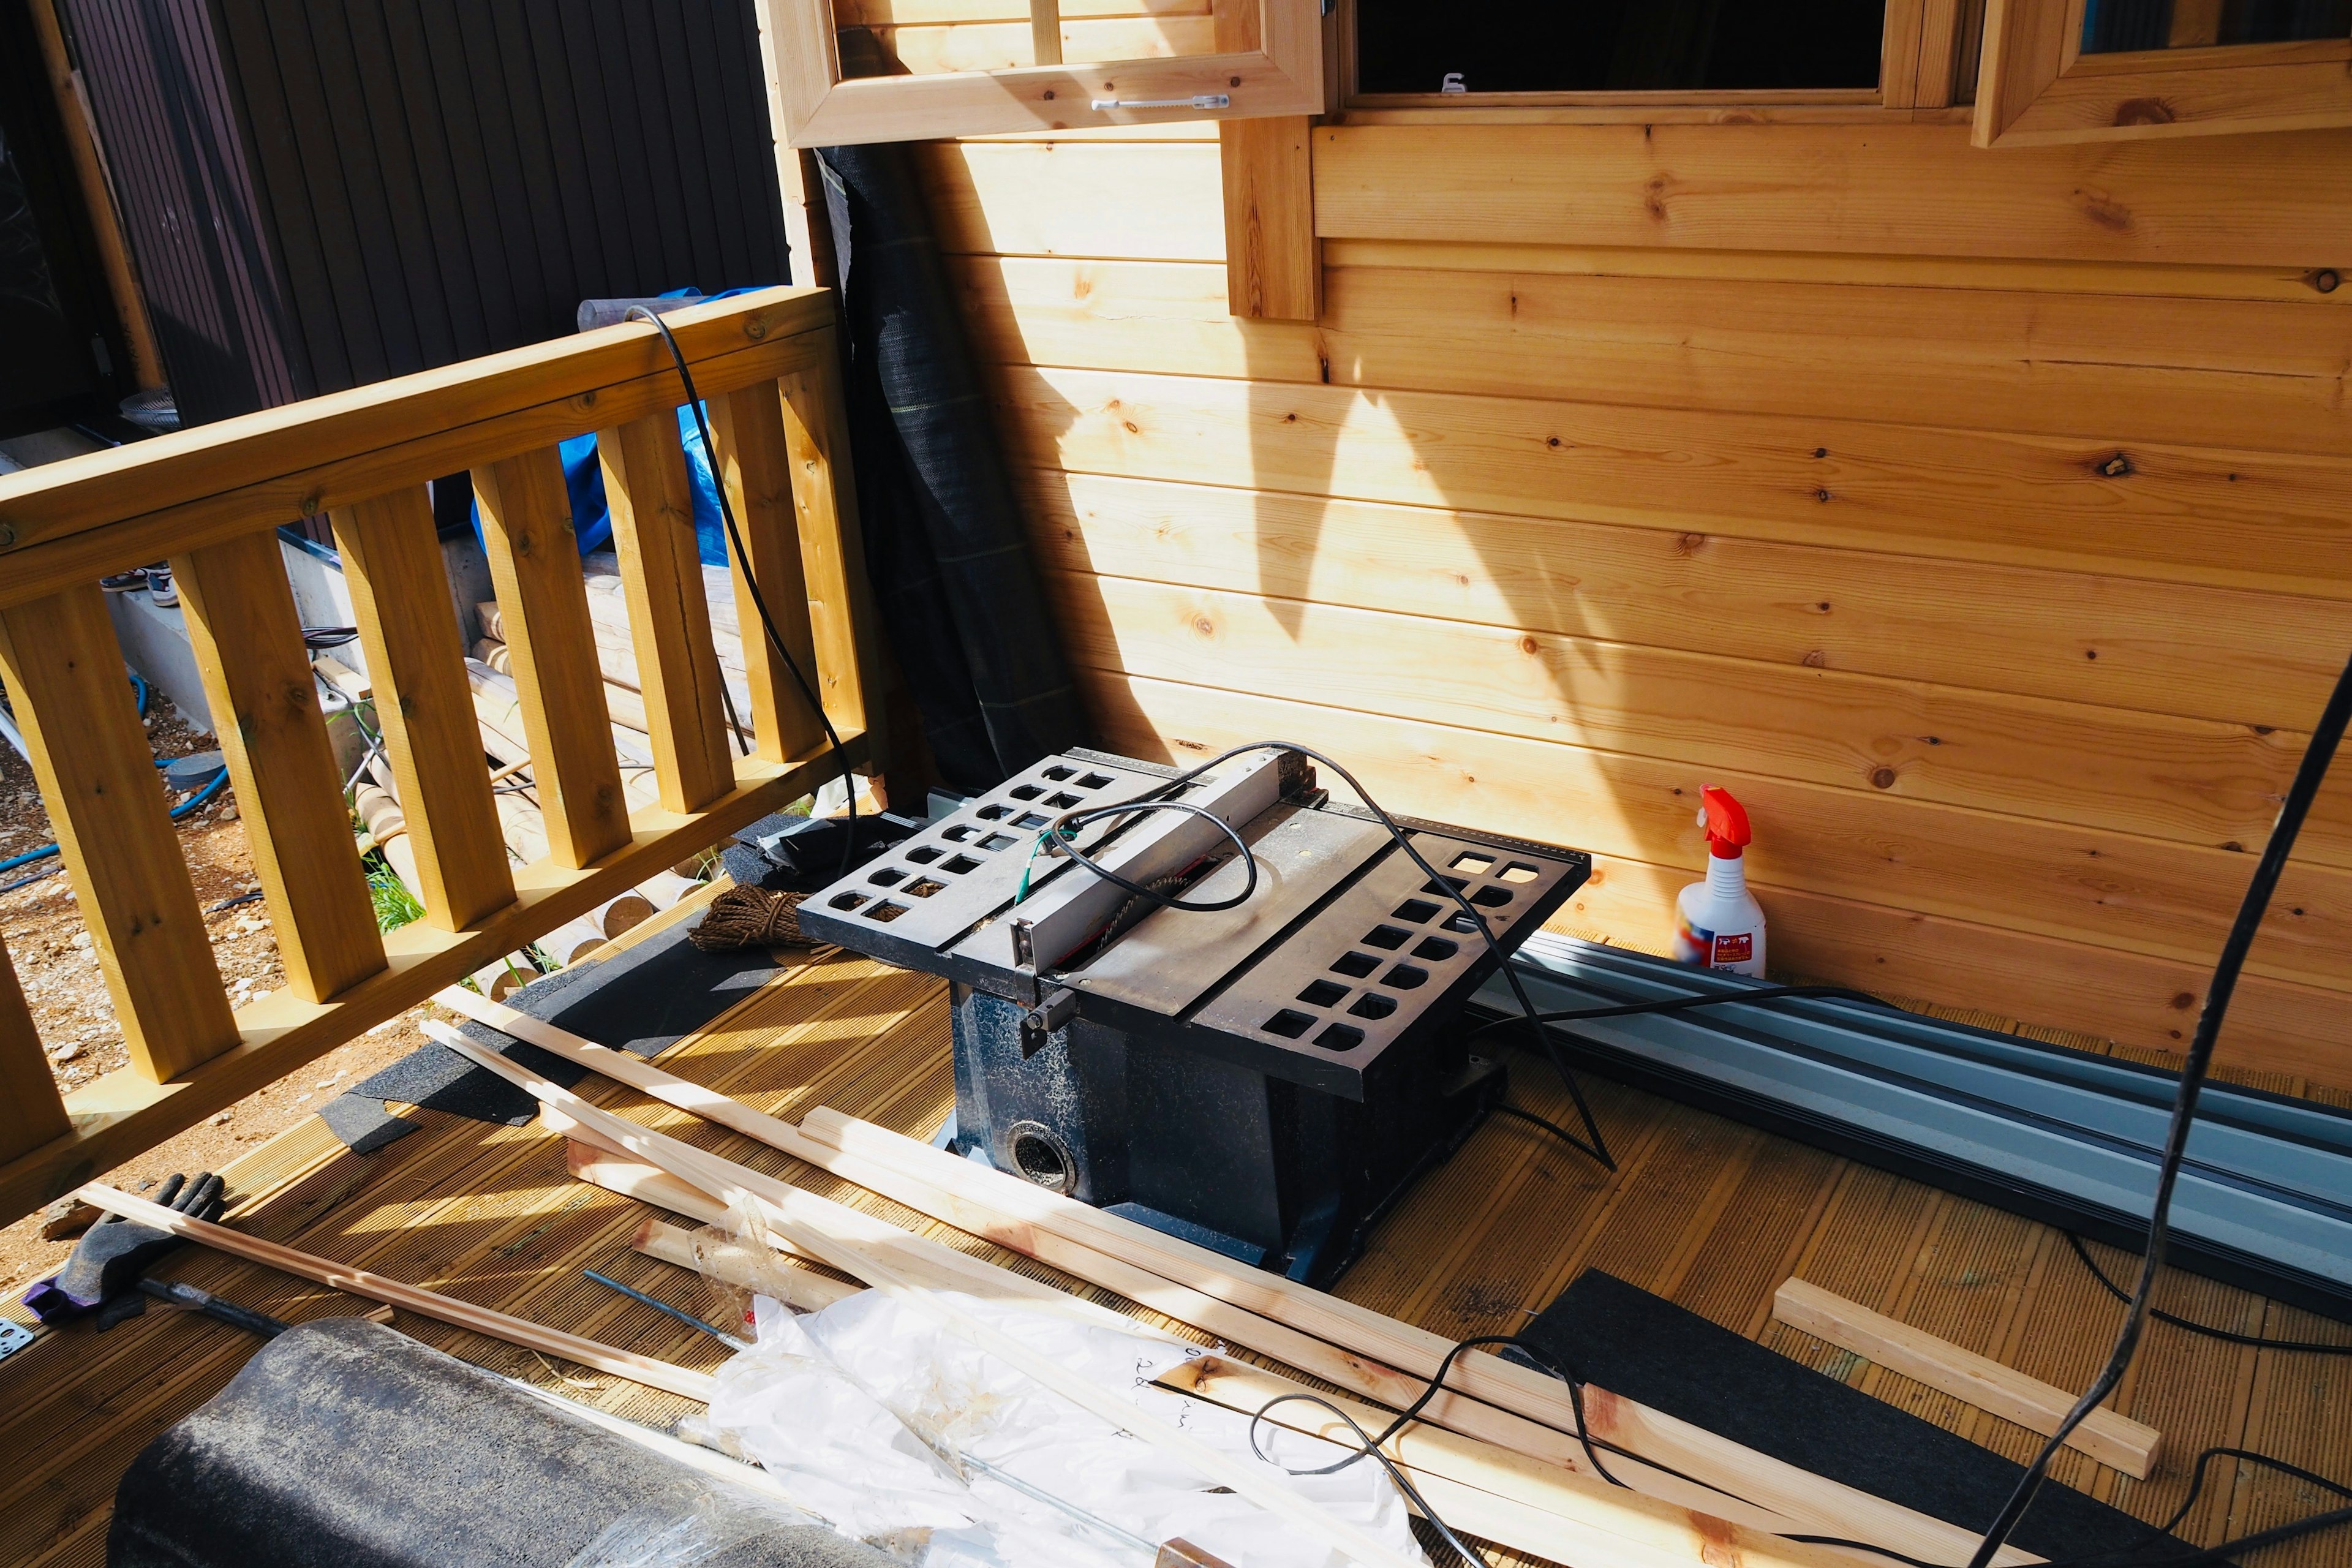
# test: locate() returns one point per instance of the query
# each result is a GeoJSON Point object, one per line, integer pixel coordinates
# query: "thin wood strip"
{"type": "Point", "coordinates": [543, 606]}
{"type": "Point", "coordinates": [416, 669]}
{"type": "Point", "coordinates": [651, 502]}
{"type": "Point", "coordinates": [32, 1111]}
{"type": "Point", "coordinates": [724, 1180]}
{"type": "Point", "coordinates": [336, 1275]}
{"type": "Point", "coordinates": [1044, 32]}
{"type": "Point", "coordinates": [246, 636]}
{"type": "Point", "coordinates": [91, 756]}
{"type": "Point", "coordinates": [1205, 1299]}
{"type": "Point", "coordinates": [754, 462]}
{"type": "Point", "coordinates": [2106, 1435]}
{"type": "Point", "coordinates": [804, 1288]}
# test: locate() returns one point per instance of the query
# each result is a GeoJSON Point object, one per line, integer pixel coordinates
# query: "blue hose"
{"type": "Point", "coordinates": [179, 811]}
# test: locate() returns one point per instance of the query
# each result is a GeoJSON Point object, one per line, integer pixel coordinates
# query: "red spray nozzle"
{"type": "Point", "coordinates": [1725, 821]}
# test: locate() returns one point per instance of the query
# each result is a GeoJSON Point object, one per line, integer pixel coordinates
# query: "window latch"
{"type": "Point", "coordinates": [1205, 100]}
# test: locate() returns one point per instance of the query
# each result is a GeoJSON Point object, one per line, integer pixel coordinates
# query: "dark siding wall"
{"type": "Point", "coordinates": [426, 180]}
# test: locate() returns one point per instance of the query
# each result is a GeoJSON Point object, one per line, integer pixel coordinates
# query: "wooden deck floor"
{"type": "Point", "coordinates": [1703, 1211]}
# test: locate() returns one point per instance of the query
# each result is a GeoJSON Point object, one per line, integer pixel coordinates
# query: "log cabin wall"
{"type": "Point", "coordinates": [1978, 517]}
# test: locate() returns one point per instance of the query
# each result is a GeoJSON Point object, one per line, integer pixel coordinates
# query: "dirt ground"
{"type": "Point", "coordinates": [49, 946]}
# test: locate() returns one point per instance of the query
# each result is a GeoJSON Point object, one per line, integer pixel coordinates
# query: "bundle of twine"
{"type": "Point", "coordinates": [750, 917]}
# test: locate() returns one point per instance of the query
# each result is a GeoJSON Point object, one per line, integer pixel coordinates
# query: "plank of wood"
{"type": "Point", "coordinates": [1457, 775]}
{"type": "Point", "coordinates": [754, 463]}
{"type": "Point", "coordinates": [2106, 1435]}
{"type": "Point", "coordinates": [651, 501]}
{"type": "Point", "coordinates": [248, 639]}
{"type": "Point", "coordinates": [392, 567]}
{"type": "Point", "coordinates": [2268, 520]}
{"type": "Point", "coordinates": [912, 12]}
{"type": "Point", "coordinates": [1044, 32]}
{"type": "Point", "coordinates": [804, 1287]}
{"type": "Point", "coordinates": [833, 552]}
{"type": "Point", "coordinates": [2258, 374]}
{"type": "Point", "coordinates": [124, 1112]}
{"type": "Point", "coordinates": [825, 1237]}
{"type": "Point", "coordinates": [1075, 198]}
{"type": "Point", "coordinates": [408, 1297]}
{"type": "Point", "coordinates": [1899, 189]}
{"type": "Point", "coordinates": [2111, 642]}
{"type": "Point", "coordinates": [543, 609]}
{"type": "Point", "coordinates": [1898, 68]}
{"type": "Point", "coordinates": [926, 49]}
{"type": "Point", "coordinates": [1274, 263]}
{"type": "Point", "coordinates": [32, 1111]}
{"type": "Point", "coordinates": [151, 499]}
{"type": "Point", "coordinates": [1940, 44]}
{"type": "Point", "coordinates": [66, 685]}
{"type": "Point", "coordinates": [2185, 779]}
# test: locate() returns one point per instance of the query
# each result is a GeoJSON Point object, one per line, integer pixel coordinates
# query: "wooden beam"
{"type": "Point", "coordinates": [66, 681]}
{"type": "Point", "coordinates": [754, 462]}
{"type": "Point", "coordinates": [416, 670]}
{"type": "Point", "coordinates": [651, 501]}
{"type": "Point", "coordinates": [2108, 1435]}
{"type": "Point", "coordinates": [248, 639]}
{"type": "Point", "coordinates": [1497, 1494]}
{"type": "Point", "coordinates": [1212, 1295]}
{"type": "Point", "coordinates": [124, 1112]}
{"type": "Point", "coordinates": [645, 1370]}
{"type": "Point", "coordinates": [1045, 32]}
{"type": "Point", "coordinates": [1273, 262]}
{"type": "Point", "coordinates": [31, 1110]}
{"type": "Point", "coordinates": [543, 606]}
{"type": "Point", "coordinates": [833, 558]}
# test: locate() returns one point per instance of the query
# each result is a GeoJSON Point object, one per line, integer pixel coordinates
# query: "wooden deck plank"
{"type": "Point", "coordinates": [1705, 1211]}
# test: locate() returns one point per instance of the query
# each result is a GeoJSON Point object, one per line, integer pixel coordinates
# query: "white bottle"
{"type": "Point", "coordinates": [1718, 923]}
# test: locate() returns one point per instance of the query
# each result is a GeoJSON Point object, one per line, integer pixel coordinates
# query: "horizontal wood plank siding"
{"type": "Point", "coordinates": [1979, 519]}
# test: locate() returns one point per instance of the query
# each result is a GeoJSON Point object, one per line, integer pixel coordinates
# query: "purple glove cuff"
{"type": "Point", "coordinates": [52, 1304]}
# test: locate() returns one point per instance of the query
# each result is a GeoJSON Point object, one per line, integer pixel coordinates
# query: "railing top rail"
{"type": "Point", "coordinates": [68, 522]}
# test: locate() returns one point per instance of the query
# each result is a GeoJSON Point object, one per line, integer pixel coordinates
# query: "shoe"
{"type": "Point", "coordinates": [159, 586]}
{"type": "Point", "coordinates": [125, 581]}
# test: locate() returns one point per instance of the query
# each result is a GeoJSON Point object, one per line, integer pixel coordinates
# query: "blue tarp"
{"type": "Point", "coordinates": [583, 477]}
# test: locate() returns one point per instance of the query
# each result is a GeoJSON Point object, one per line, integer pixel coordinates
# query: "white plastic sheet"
{"type": "Point", "coordinates": [853, 1407]}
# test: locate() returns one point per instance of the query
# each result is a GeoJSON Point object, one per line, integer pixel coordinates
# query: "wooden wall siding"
{"type": "Point", "coordinates": [1981, 521]}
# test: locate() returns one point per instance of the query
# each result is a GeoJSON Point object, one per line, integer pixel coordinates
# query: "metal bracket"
{"type": "Point", "coordinates": [1038, 1023]}
{"type": "Point", "coordinates": [14, 1337]}
{"type": "Point", "coordinates": [1204, 101]}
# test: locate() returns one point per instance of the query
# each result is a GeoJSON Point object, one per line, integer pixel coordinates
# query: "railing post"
{"type": "Point", "coordinates": [73, 701]}
{"type": "Point", "coordinates": [824, 497]}
{"type": "Point", "coordinates": [31, 1113]}
{"type": "Point", "coordinates": [416, 667]}
{"type": "Point", "coordinates": [754, 463]}
{"type": "Point", "coordinates": [248, 639]}
{"type": "Point", "coordinates": [651, 501]}
{"type": "Point", "coordinates": [543, 602]}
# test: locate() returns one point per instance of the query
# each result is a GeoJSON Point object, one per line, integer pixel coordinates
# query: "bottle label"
{"type": "Point", "coordinates": [1730, 949]}
{"type": "Point", "coordinates": [1692, 943]}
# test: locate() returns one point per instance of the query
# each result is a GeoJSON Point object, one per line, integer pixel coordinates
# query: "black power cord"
{"type": "Point", "coordinates": [751, 582]}
{"type": "Point", "coordinates": [2228, 1336]}
{"type": "Point", "coordinates": [2324, 738]}
{"type": "Point", "coordinates": [1685, 1003]}
{"type": "Point", "coordinates": [1058, 833]}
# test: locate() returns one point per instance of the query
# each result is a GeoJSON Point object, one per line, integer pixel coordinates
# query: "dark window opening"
{"type": "Point", "coordinates": [1619, 45]}
{"type": "Point", "coordinates": [2113, 26]}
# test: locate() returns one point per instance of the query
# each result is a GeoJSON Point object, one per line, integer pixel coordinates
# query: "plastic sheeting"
{"type": "Point", "coordinates": [871, 1414]}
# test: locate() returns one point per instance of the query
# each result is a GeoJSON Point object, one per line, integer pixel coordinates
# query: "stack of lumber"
{"type": "Point", "coordinates": [1503, 1452]}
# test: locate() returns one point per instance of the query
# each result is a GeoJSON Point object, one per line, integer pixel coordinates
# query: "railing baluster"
{"type": "Point", "coordinates": [543, 601]}
{"type": "Point", "coordinates": [824, 496]}
{"type": "Point", "coordinates": [754, 462]}
{"type": "Point", "coordinates": [31, 1113]}
{"type": "Point", "coordinates": [97, 775]}
{"type": "Point", "coordinates": [417, 668]}
{"type": "Point", "coordinates": [652, 505]}
{"type": "Point", "coordinates": [247, 638]}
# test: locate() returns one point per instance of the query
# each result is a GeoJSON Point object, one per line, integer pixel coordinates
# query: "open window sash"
{"type": "Point", "coordinates": [1267, 60]}
{"type": "Point", "coordinates": [2168, 75]}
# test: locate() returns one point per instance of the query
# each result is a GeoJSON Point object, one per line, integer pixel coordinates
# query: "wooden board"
{"type": "Point", "coordinates": [65, 685]}
{"type": "Point", "coordinates": [1892, 189]}
{"type": "Point", "coordinates": [248, 639]}
{"type": "Point", "coordinates": [31, 1111]}
{"type": "Point", "coordinates": [755, 464]}
{"type": "Point", "coordinates": [2270, 521]}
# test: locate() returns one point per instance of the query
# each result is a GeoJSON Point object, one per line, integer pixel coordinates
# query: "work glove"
{"type": "Point", "coordinates": [108, 1261]}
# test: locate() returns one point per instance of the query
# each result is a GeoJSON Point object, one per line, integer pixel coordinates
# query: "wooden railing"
{"type": "Point", "coordinates": [211, 499]}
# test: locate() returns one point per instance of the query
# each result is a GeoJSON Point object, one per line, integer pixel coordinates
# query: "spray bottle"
{"type": "Point", "coordinates": [1717, 922]}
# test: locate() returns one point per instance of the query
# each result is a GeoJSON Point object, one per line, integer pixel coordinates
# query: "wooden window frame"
{"type": "Point", "coordinates": [1278, 71]}
{"type": "Point", "coordinates": [2038, 87]}
{"type": "Point", "coordinates": [1924, 56]}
